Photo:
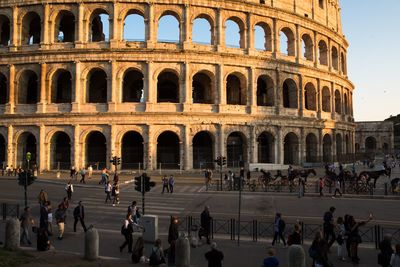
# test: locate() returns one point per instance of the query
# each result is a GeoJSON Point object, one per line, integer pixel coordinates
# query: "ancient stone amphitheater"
{"type": "Point", "coordinates": [75, 89]}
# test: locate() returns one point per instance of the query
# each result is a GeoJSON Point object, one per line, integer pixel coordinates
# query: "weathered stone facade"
{"type": "Point", "coordinates": [190, 102]}
{"type": "Point", "coordinates": [374, 137]}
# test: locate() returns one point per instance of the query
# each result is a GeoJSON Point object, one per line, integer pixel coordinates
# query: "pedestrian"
{"type": "Point", "coordinates": [132, 208]}
{"type": "Point", "coordinates": [329, 226]}
{"type": "Point", "coordinates": [26, 224]}
{"type": "Point", "coordinates": [83, 174]}
{"type": "Point", "coordinates": [127, 231]}
{"type": "Point", "coordinates": [79, 214]}
{"type": "Point", "coordinates": [49, 219]}
{"type": "Point", "coordinates": [72, 173]}
{"type": "Point", "coordinates": [341, 239]}
{"type": "Point", "coordinates": [138, 252]}
{"type": "Point", "coordinates": [321, 185]}
{"type": "Point", "coordinates": [386, 251]}
{"type": "Point", "coordinates": [69, 188]}
{"type": "Point", "coordinates": [279, 228]}
{"type": "Point", "coordinates": [115, 193]}
{"type": "Point", "coordinates": [395, 260]}
{"type": "Point", "coordinates": [214, 256]}
{"type": "Point", "coordinates": [270, 260]}
{"type": "Point", "coordinates": [90, 171]}
{"type": "Point", "coordinates": [337, 188]}
{"type": "Point", "coordinates": [205, 224]}
{"type": "Point", "coordinates": [173, 235]}
{"type": "Point", "coordinates": [42, 197]}
{"type": "Point", "coordinates": [104, 176]}
{"type": "Point", "coordinates": [302, 185]}
{"type": "Point", "coordinates": [318, 251]}
{"type": "Point", "coordinates": [60, 216]}
{"type": "Point", "coordinates": [65, 203]}
{"type": "Point", "coordinates": [157, 254]}
{"type": "Point", "coordinates": [355, 237]}
{"type": "Point", "coordinates": [43, 216]}
{"type": "Point", "coordinates": [171, 183]}
{"type": "Point", "coordinates": [295, 237]}
{"type": "Point", "coordinates": [164, 181]}
{"type": "Point", "coordinates": [107, 190]}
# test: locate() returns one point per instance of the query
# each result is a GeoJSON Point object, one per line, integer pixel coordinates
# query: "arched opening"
{"type": "Point", "coordinates": [203, 150]}
{"type": "Point", "coordinates": [202, 32]}
{"type": "Point", "coordinates": [289, 94]}
{"type": "Point", "coordinates": [4, 30]}
{"type": "Point", "coordinates": [26, 143]}
{"type": "Point", "coordinates": [96, 150]}
{"type": "Point", "coordinates": [97, 86]}
{"type": "Point", "coordinates": [326, 99]}
{"type": "Point", "coordinates": [321, 3]}
{"type": "Point", "coordinates": [168, 155]}
{"type": "Point", "coordinates": [287, 42]}
{"type": "Point", "coordinates": [235, 90]}
{"type": "Point", "coordinates": [168, 29]}
{"type": "Point", "coordinates": [202, 88]}
{"type": "Point", "coordinates": [236, 150]}
{"type": "Point", "coordinates": [31, 29]}
{"type": "Point", "coordinates": [291, 149]}
{"type": "Point", "coordinates": [61, 87]}
{"type": "Point", "coordinates": [323, 53]}
{"type": "Point", "coordinates": [263, 37]}
{"type": "Point", "coordinates": [99, 26]}
{"type": "Point", "coordinates": [28, 88]}
{"type": "Point", "coordinates": [385, 148]}
{"type": "Point", "coordinates": [335, 58]}
{"type": "Point", "coordinates": [339, 147]}
{"type": "Point", "coordinates": [327, 148]}
{"type": "Point", "coordinates": [343, 63]}
{"type": "Point", "coordinates": [2, 150]}
{"type": "Point", "coordinates": [311, 148]}
{"type": "Point", "coordinates": [307, 47]}
{"type": "Point", "coordinates": [370, 144]}
{"type": "Point", "coordinates": [310, 97]}
{"type": "Point", "coordinates": [60, 151]}
{"type": "Point", "coordinates": [266, 143]}
{"type": "Point", "coordinates": [234, 33]}
{"type": "Point", "coordinates": [168, 87]}
{"type": "Point", "coordinates": [265, 91]}
{"type": "Point", "coordinates": [132, 86]}
{"type": "Point", "coordinates": [338, 102]}
{"type": "Point", "coordinates": [134, 27]}
{"type": "Point", "coordinates": [65, 27]}
{"type": "Point", "coordinates": [3, 89]}
{"type": "Point", "coordinates": [132, 150]}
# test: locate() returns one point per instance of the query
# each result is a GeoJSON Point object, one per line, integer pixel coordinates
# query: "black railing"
{"type": "Point", "coordinates": [9, 210]}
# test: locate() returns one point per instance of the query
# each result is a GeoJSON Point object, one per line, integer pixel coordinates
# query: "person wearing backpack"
{"type": "Point", "coordinates": [127, 231]}
{"type": "Point", "coordinates": [318, 251]}
{"type": "Point", "coordinates": [329, 226]}
{"type": "Point", "coordinates": [157, 254]}
{"type": "Point", "coordinates": [279, 228]}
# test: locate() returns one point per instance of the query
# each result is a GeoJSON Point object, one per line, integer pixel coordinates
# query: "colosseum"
{"type": "Point", "coordinates": [77, 89]}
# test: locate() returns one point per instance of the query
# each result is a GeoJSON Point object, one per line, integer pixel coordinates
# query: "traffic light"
{"type": "Point", "coordinates": [25, 178]}
{"type": "Point", "coordinates": [118, 161]}
{"type": "Point", "coordinates": [147, 183]}
{"type": "Point", "coordinates": [223, 161]}
{"type": "Point", "coordinates": [138, 183]}
{"type": "Point", "coordinates": [113, 160]}
{"type": "Point", "coordinates": [218, 161]}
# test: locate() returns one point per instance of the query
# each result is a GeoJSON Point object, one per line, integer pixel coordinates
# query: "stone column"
{"type": "Point", "coordinates": [77, 98]}
{"type": "Point", "coordinates": [278, 92]}
{"type": "Point", "coordinates": [333, 106]}
{"type": "Point", "coordinates": [330, 67]}
{"type": "Point", "coordinates": [111, 148]}
{"type": "Point", "coordinates": [91, 245]}
{"type": "Point", "coordinates": [250, 34]}
{"type": "Point", "coordinates": [150, 150]}
{"type": "Point", "coordinates": [10, 146]}
{"type": "Point", "coordinates": [115, 35]}
{"type": "Point", "coordinates": [41, 152]}
{"type": "Point", "coordinates": [186, 32]}
{"type": "Point", "coordinates": [113, 90]}
{"type": "Point", "coordinates": [80, 39]}
{"type": "Point", "coordinates": [186, 90]}
{"type": "Point", "coordinates": [41, 107]}
{"type": "Point", "coordinates": [296, 256]}
{"type": "Point", "coordinates": [150, 92]}
{"type": "Point", "coordinates": [319, 98]}
{"type": "Point", "coordinates": [187, 149]}
{"type": "Point", "coordinates": [316, 54]}
{"type": "Point", "coordinates": [279, 146]}
{"type": "Point", "coordinates": [220, 33]}
{"type": "Point", "coordinates": [12, 239]}
{"type": "Point", "coordinates": [221, 85]}
{"type": "Point", "coordinates": [14, 40]}
{"type": "Point", "coordinates": [45, 27]}
{"type": "Point", "coordinates": [253, 145]}
{"type": "Point", "coordinates": [303, 147]}
{"type": "Point", "coordinates": [275, 41]}
{"type": "Point", "coordinates": [151, 29]}
{"type": "Point", "coordinates": [334, 156]}
{"type": "Point", "coordinates": [11, 93]}
{"type": "Point", "coordinates": [301, 96]}
{"type": "Point", "coordinates": [252, 92]}
{"type": "Point", "coordinates": [298, 44]}
{"type": "Point", "coordinates": [77, 160]}
{"type": "Point", "coordinates": [320, 145]}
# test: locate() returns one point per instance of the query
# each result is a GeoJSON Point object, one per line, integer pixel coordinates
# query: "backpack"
{"type": "Point", "coordinates": [312, 252]}
{"type": "Point", "coordinates": [153, 259]}
{"type": "Point", "coordinates": [282, 225]}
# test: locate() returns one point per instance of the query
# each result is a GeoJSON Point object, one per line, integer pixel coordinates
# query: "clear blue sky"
{"type": "Point", "coordinates": [373, 31]}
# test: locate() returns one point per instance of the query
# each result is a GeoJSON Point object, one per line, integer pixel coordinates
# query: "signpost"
{"type": "Point", "coordinates": [221, 161]}
{"type": "Point", "coordinates": [143, 185]}
{"type": "Point", "coordinates": [26, 178]}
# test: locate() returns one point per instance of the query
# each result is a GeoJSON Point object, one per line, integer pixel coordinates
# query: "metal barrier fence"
{"type": "Point", "coordinates": [9, 210]}
{"type": "Point", "coordinates": [256, 230]}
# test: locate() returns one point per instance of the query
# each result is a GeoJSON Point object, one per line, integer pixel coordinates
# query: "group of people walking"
{"type": "Point", "coordinates": [168, 184]}
{"type": "Point", "coordinates": [82, 172]}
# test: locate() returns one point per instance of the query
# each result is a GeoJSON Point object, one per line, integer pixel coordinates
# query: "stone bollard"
{"type": "Point", "coordinates": [297, 257]}
{"type": "Point", "coordinates": [182, 251]}
{"type": "Point", "coordinates": [12, 234]}
{"type": "Point", "coordinates": [91, 244]}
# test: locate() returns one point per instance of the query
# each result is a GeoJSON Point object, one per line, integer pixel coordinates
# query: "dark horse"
{"type": "Point", "coordinates": [303, 173]}
{"type": "Point", "coordinates": [375, 174]}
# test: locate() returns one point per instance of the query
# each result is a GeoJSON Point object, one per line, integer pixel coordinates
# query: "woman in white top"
{"type": "Point", "coordinates": [395, 260]}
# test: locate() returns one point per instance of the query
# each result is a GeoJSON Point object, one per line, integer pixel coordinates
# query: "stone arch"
{"type": "Point", "coordinates": [307, 47]}
{"type": "Point", "coordinates": [339, 146]}
{"type": "Point", "coordinates": [311, 148]}
{"type": "Point", "coordinates": [168, 150]}
{"type": "Point", "coordinates": [60, 151]}
{"type": "Point", "coordinates": [31, 28]}
{"type": "Point", "coordinates": [203, 87]}
{"type": "Point", "coordinates": [96, 86]}
{"type": "Point", "coordinates": [5, 30]}
{"type": "Point", "coordinates": [3, 150]}
{"type": "Point", "coordinates": [370, 144]}
{"type": "Point", "coordinates": [3, 89]}
{"type": "Point", "coordinates": [287, 42]}
{"type": "Point", "coordinates": [203, 152]}
{"type": "Point", "coordinates": [134, 19]}
{"type": "Point", "coordinates": [98, 21]}
{"type": "Point", "coordinates": [236, 149]}
{"type": "Point", "coordinates": [265, 91]}
{"type": "Point", "coordinates": [327, 148]}
{"type": "Point", "coordinates": [26, 142]}
{"type": "Point", "coordinates": [266, 145]}
{"type": "Point", "coordinates": [61, 87]}
{"type": "Point", "coordinates": [132, 150]}
{"type": "Point", "coordinates": [291, 149]}
{"type": "Point", "coordinates": [263, 35]}
{"type": "Point", "coordinates": [323, 53]}
{"type": "Point", "coordinates": [236, 89]}
{"type": "Point", "coordinates": [326, 99]}
{"type": "Point", "coordinates": [169, 27]}
{"type": "Point", "coordinates": [168, 86]}
{"type": "Point", "coordinates": [335, 58]}
{"type": "Point", "coordinates": [338, 102]}
{"type": "Point", "coordinates": [203, 25]}
{"type": "Point", "coordinates": [289, 94]}
{"type": "Point", "coordinates": [132, 86]}
{"type": "Point", "coordinates": [65, 27]}
{"type": "Point", "coordinates": [310, 97]}
{"type": "Point", "coordinates": [233, 24]}
{"type": "Point", "coordinates": [96, 149]}
{"type": "Point", "coordinates": [28, 87]}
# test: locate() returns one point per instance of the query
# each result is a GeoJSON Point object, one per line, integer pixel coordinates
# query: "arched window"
{"type": "Point", "coordinates": [203, 150]}
{"type": "Point", "coordinates": [236, 149]}
{"type": "Point", "coordinates": [65, 27]}
{"type": "Point", "coordinates": [289, 94]}
{"type": "Point", "coordinates": [202, 32]}
{"type": "Point", "coordinates": [234, 33]}
{"type": "Point", "coordinates": [307, 47]}
{"type": "Point", "coordinates": [60, 151]}
{"type": "Point", "coordinates": [3, 145]}
{"type": "Point", "coordinates": [263, 37]}
{"type": "Point", "coordinates": [287, 42]}
{"type": "Point", "coordinates": [335, 58]}
{"type": "Point", "coordinates": [134, 27]}
{"type": "Point", "coordinates": [265, 91]}
{"type": "Point", "coordinates": [235, 90]}
{"type": "Point", "coordinates": [168, 29]}
{"type": "Point", "coordinates": [99, 26]}
{"type": "Point", "coordinates": [323, 53]}
{"type": "Point", "coordinates": [168, 147]}
{"type": "Point", "coordinates": [310, 98]}
{"type": "Point", "coordinates": [31, 29]}
{"type": "Point", "coordinates": [3, 89]}
{"type": "Point", "coordinates": [132, 150]}
{"type": "Point", "coordinates": [26, 143]}
{"type": "Point", "coordinates": [327, 148]}
{"type": "Point", "coordinates": [168, 87]}
{"type": "Point", "coordinates": [96, 150]}
{"type": "Point", "coordinates": [291, 149]}
{"type": "Point", "coordinates": [28, 89]}
{"type": "Point", "coordinates": [132, 86]}
{"type": "Point", "coordinates": [326, 99]}
{"type": "Point", "coordinates": [202, 88]}
{"type": "Point", "coordinates": [266, 143]}
{"type": "Point", "coordinates": [97, 86]}
{"type": "Point", "coordinates": [61, 91]}
{"type": "Point", "coordinates": [4, 30]}
{"type": "Point", "coordinates": [338, 102]}
{"type": "Point", "coordinates": [311, 148]}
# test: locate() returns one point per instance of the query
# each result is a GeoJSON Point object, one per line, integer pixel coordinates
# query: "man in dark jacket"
{"type": "Point", "coordinates": [205, 222]}
{"type": "Point", "coordinates": [386, 251]}
{"type": "Point", "coordinates": [214, 256]}
{"type": "Point", "coordinates": [79, 214]}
